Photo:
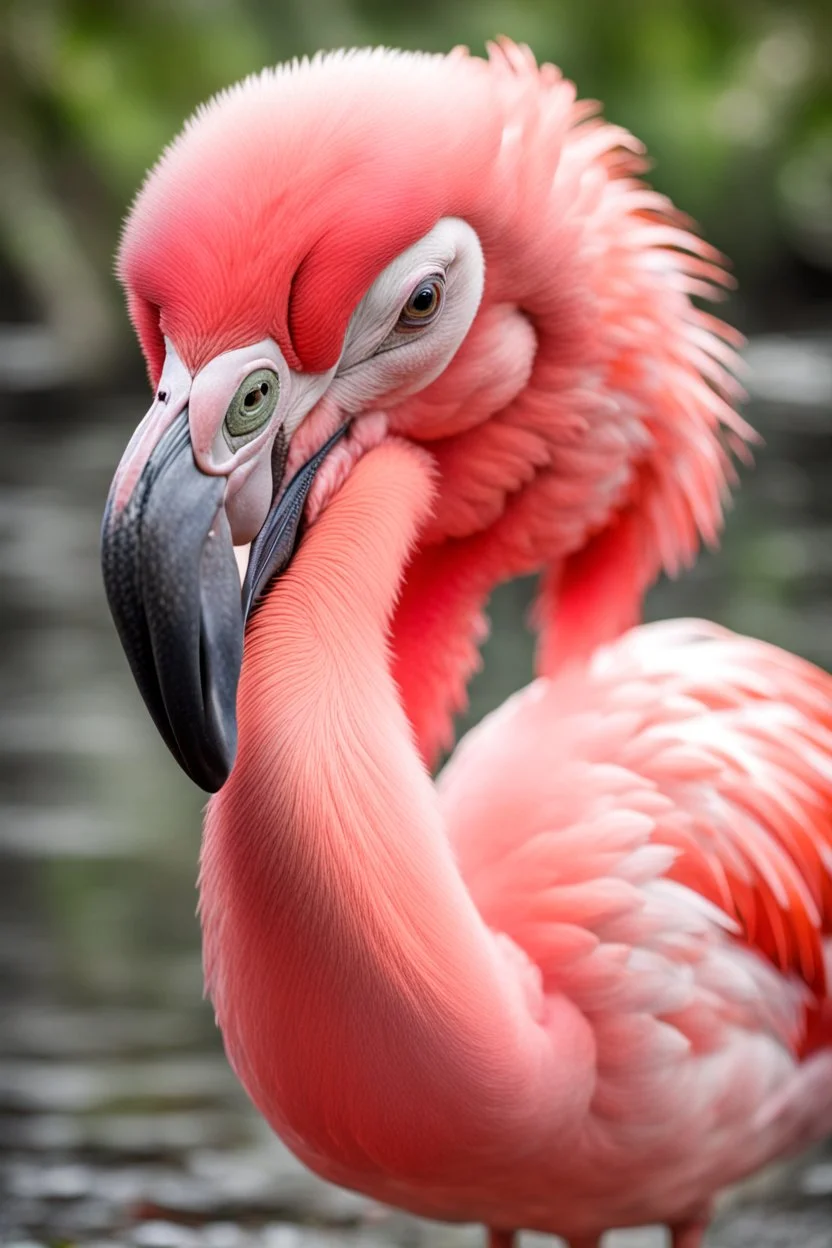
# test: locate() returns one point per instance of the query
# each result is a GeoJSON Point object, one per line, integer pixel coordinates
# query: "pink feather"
{"type": "Point", "coordinates": [580, 981]}
{"type": "Point", "coordinates": [564, 989]}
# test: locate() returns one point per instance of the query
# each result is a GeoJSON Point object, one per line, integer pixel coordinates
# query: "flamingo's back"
{"type": "Point", "coordinates": [652, 831]}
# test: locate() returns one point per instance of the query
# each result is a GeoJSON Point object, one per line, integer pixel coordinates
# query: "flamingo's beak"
{"type": "Point", "coordinates": [174, 593]}
{"type": "Point", "coordinates": [173, 589]}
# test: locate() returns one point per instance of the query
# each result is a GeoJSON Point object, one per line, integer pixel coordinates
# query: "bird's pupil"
{"type": "Point", "coordinates": [422, 306]}
{"type": "Point", "coordinates": [423, 300]}
{"type": "Point", "coordinates": [254, 396]}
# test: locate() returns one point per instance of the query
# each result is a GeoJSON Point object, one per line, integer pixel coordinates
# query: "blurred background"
{"type": "Point", "coordinates": [119, 1121]}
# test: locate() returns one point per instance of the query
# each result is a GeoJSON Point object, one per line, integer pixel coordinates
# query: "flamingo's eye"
{"type": "Point", "coordinates": [424, 305]}
{"type": "Point", "coordinates": [251, 407]}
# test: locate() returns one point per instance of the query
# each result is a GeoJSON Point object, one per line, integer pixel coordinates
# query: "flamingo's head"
{"type": "Point", "coordinates": [288, 269]}
{"type": "Point", "coordinates": [308, 254]}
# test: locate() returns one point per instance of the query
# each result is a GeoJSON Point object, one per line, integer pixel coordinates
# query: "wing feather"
{"type": "Point", "coordinates": [675, 790]}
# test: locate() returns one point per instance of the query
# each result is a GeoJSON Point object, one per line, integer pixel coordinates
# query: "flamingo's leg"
{"type": "Point", "coordinates": [505, 1239]}
{"type": "Point", "coordinates": [689, 1234]}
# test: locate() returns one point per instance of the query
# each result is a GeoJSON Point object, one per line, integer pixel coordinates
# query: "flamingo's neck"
{"type": "Point", "coordinates": [357, 988]}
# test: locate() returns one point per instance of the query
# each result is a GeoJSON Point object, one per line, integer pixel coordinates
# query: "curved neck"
{"type": "Point", "coordinates": [354, 980]}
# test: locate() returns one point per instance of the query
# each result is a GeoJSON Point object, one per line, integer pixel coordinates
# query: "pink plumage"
{"type": "Point", "coordinates": [581, 428]}
{"type": "Point", "coordinates": [578, 982]}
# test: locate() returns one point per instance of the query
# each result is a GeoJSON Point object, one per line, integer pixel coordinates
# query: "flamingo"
{"type": "Point", "coordinates": [415, 325]}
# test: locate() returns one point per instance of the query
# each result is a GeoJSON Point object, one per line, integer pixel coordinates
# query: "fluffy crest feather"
{"type": "Point", "coordinates": [286, 195]}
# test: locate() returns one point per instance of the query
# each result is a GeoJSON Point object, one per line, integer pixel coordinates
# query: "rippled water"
{"type": "Point", "coordinates": [119, 1119]}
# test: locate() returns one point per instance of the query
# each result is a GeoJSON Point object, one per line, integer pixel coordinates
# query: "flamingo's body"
{"type": "Point", "coordinates": [579, 982]}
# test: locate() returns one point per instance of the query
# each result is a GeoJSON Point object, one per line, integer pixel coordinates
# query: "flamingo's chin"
{"type": "Point", "coordinates": [241, 555]}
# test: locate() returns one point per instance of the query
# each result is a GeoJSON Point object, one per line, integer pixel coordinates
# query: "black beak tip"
{"type": "Point", "coordinates": [209, 774]}
{"type": "Point", "coordinates": [174, 593]}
